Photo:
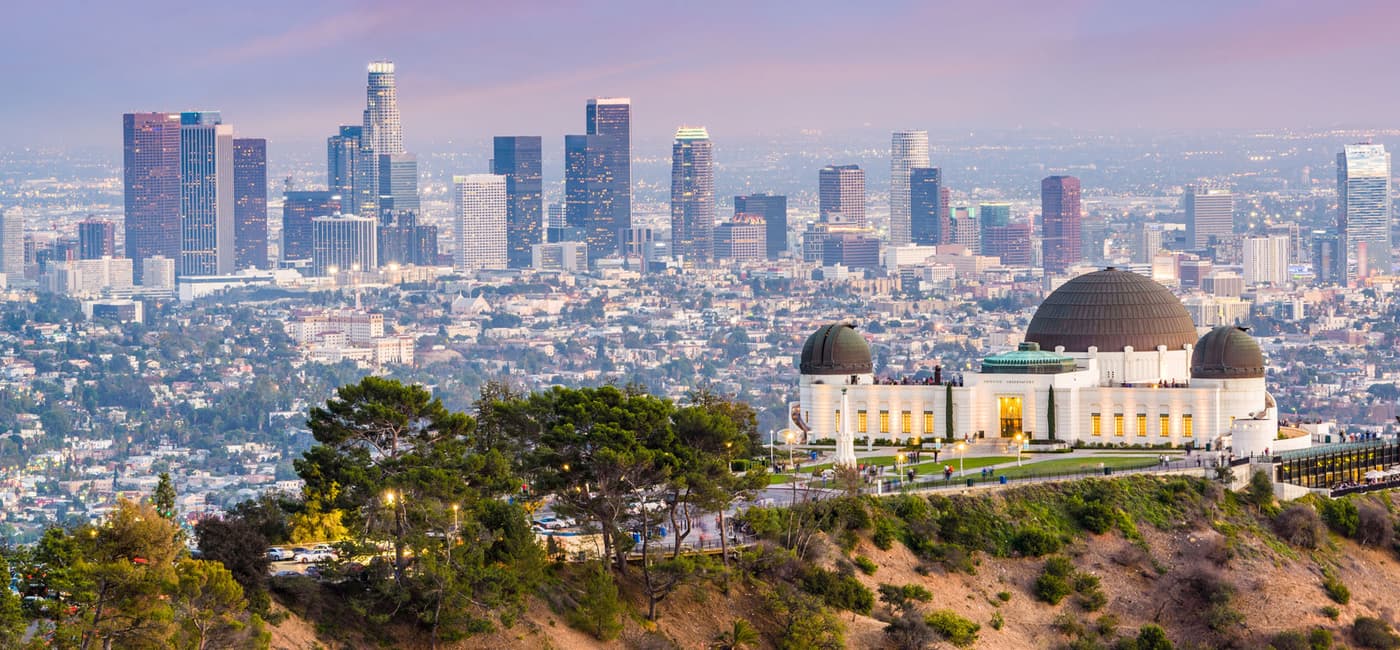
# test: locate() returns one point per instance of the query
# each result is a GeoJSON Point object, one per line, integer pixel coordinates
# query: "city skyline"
{"type": "Point", "coordinates": [1093, 44]}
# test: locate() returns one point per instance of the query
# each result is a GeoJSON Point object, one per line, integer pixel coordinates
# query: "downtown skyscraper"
{"type": "Point", "coordinates": [841, 190]}
{"type": "Point", "coordinates": [384, 169]}
{"type": "Point", "coordinates": [97, 238]}
{"type": "Point", "coordinates": [1363, 208]}
{"type": "Point", "coordinates": [250, 203]}
{"type": "Point", "coordinates": [206, 195]}
{"type": "Point", "coordinates": [479, 215]}
{"type": "Point", "coordinates": [1210, 215]}
{"type": "Point", "coordinates": [151, 186]}
{"type": "Point", "coordinates": [692, 194]}
{"type": "Point", "coordinates": [342, 161]}
{"type": "Point", "coordinates": [908, 150]}
{"type": "Point", "coordinates": [928, 216]}
{"type": "Point", "coordinates": [518, 158]}
{"type": "Point", "coordinates": [12, 244]}
{"type": "Point", "coordinates": [773, 209]}
{"type": "Point", "coordinates": [598, 174]}
{"type": "Point", "coordinates": [1061, 216]}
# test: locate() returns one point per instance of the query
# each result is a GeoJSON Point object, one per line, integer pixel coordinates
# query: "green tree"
{"type": "Point", "coordinates": [599, 610]}
{"type": "Point", "coordinates": [1260, 491]}
{"type": "Point", "coordinates": [241, 549]}
{"type": "Point", "coordinates": [12, 621]}
{"type": "Point", "coordinates": [1153, 637]}
{"type": "Point", "coordinates": [164, 497]}
{"type": "Point", "coordinates": [210, 610]}
{"type": "Point", "coordinates": [129, 572]}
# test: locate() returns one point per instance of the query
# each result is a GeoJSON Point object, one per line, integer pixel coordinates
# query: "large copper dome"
{"type": "Point", "coordinates": [1227, 352]}
{"type": "Point", "coordinates": [1111, 310]}
{"type": "Point", "coordinates": [836, 349]}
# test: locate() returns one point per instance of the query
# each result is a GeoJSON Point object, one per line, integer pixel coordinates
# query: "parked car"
{"type": "Point", "coordinates": [278, 554]}
{"type": "Point", "coordinates": [309, 555]}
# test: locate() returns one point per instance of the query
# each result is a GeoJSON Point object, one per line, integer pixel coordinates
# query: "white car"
{"type": "Point", "coordinates": [277, 554]}
{"type": "Point", "coordinates": [307, 556]}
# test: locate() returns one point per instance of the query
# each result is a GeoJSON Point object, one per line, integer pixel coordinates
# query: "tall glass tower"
{"type": "Point", "coordinates": [206, 197]}
{"type": "Point", "coordinates": [342, 159]}
{"type": "Point", "coordinates": [518, 158]}
{"type": "Point", "coordinates": [151, 186]}
{"type": "Point", "coordinates": [908, 150]}
{"type": "Point", "coordinates": [598, 174]}
{"type": "Point", "coordinates": [1363, 208]}
{"type": "Point", "coordinates": [250, 203]}
{"type": "Point", "coordinates": [380, 135]}
{"type": "Point", "coordinates": [692, 194]}
{"type": "Point", "coordinates": [1061, 219]}
{"type": "Point", "coordinates": [841, 190]}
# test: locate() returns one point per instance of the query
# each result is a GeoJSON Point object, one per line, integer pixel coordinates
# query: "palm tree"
{"type": "Point", "coordinates": [742, 635]}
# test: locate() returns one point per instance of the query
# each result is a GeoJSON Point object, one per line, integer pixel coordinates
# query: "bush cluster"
{"type": "Point", "coordinates": [955, 629]}
{"type": "Point", "coordinates": [838, 590]}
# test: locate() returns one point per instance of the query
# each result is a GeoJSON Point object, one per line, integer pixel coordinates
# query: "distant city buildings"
{"type": "Point", "coordinates": [97, 238]}
{"type": "Point", "coordinates": [382, 135]}
{"type": "Point", "coordinates": [1060, 214]}
{"type": "Point", "coordinates": [1363, 208]}
{"type": "Point", "coordinates": [692, 194]}
{"type": "Point", "coordinates": [744, 239]}
{"type": "Point", "coordinates": [773, 209]}
{"type": "Point", "coordinates": [1210, 216]}
{"type": "Point", "coordinates": [1265, 260]}
{"type": "Point", "coordinates": [1329, 258]}
{"type": "Point", "coordinates": [569, 256]}
{"type": "Point", "coordinates": [479, 214]}
{"type": "Point", "coordinates": [12, 243]}
{"type": "Point", "coordinates": [343, 243]}
{"type": "Point", "coordinates": [250, 203]}
{"type": "Point", "coordinates": [299, 208]}
{"type": "Point", "coordinates": [518, 158]}
{"type": "Point", "coordinates": [908, 151]}
{"type": "Point", "coordinates": [841, 190]}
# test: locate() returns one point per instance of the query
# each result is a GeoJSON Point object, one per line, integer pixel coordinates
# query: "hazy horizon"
{"type": "Point", "coordinates": [293, 71]}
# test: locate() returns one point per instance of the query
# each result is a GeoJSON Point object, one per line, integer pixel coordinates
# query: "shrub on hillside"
{"type": "Point", "coordinates": [1034, 541]}
{"type": "Point", "coordinates": [1260, 491]}
{"type": "Point", "coordinates": [1299, 525]}
{"type": "Point", "coordinates": [600, 608]}
{"type": "Point", "coordinates": [1152, 637]}
{"type": "Point", "coordinates": [909, 631]}
{"type": "Point", "coordinates": [1373, 526]}
{"type": "Point", "coordinates": [1341, 516]}
{"type": "Point", "coordinates": [1336, 590]}
{"type": "Point", "coordinates": [1373, 633]}
{"type": "Point", "coordinates": [838, 590]}
{"type": "Point", "coordinates": [955, 629]}
{"type": "Point", "coordinates": [865, 564]}
{"type": "Point", "coordinates": [1054, 582]}
{"type": "Point", "coordinates": [1096, 516]}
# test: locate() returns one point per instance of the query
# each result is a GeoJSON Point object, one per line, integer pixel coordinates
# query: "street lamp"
{"type": "Point", "coordinates": [962, 447]}
{"type": "Point", "coordinates": [899, 466]}
{"type": "Point", "coordinates": [1018, 440]}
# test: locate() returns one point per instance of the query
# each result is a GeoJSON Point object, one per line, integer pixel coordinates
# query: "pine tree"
{"type": "Point", "coordinates": [164, 497]}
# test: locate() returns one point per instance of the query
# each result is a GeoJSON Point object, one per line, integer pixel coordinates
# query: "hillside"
{"type": "Point", "coordinates": [1206, 565]}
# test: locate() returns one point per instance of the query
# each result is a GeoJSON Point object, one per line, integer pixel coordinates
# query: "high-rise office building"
{"type": "Point", "coordinates": [1210, 215]}
{"type": "Point", "coordinates": [841, 190]}
{"type": "Point", "coordinates": [741, 239]}
{"type": "Point", "coordinates": [342, 159]}
{"type": "Point", "coordinates": [12, 243]}
{"type": "Point", "coordinates": [1265, 260]}
{"type": "Point", "coordinates": [151, 185]}
{"type": "Point", "coordinates": [344, 243]}
{"type": "Point", "coordinates": [402, 241]}
{"type": "Point", "coordinates": [1011, 243]}
{"type": "Point", "coordinates": [250, 203]}
{"type": "Point", "coordinates": [479, 213]}
{"type": "Point", "coordinates": [298, 211]}
{"type": "Point", "coordinates": [908, 150]}
{"type": "Point", "coordinates": [773, 209]}
{"type": "Point", "coordinates": [158, 272]}
{"type": "Point", "coordinates": [97, 238]}
{"type": "Point", "coordinates": [966, 231]}
{"type": "Point", "coordinates": [1329, 258]}
{"type": "Point", "coordinates": [1060, 223]}
{"type": "Point", "coordinates": [518, 158]}
{"type": "Point", "coordinates": [398, 185]}
{"type": "Point", "coordinates": [556, 228]}
{"type": "Point", "coordinates": [692, 194]}
{"type": "Point", "coordinates": [598, 174]}
{"type": "Point", "coordinates": [1363, 208]}
{"type": "Point", "coordinates": [928, 214]}
{"type": "Point", "coordinates": [206, 197]}
{"type": "Point", "coordinates": [851, 250]}
{"type": "Point", "coordinates": [380, 135]}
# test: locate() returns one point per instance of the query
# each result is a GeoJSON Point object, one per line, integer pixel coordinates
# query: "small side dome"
{"type": "Point", "coordinates": [836, 349]}
{"type": "Point", "coordinates": [1227, 352]}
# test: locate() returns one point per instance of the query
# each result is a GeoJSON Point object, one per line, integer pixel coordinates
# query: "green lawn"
{"type": "Point", "coordinates": [968, 463]}
{"type": "Point", "coordinates": [779, 479]}
{"type": "Point", "coordinates": [1090, 464]}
